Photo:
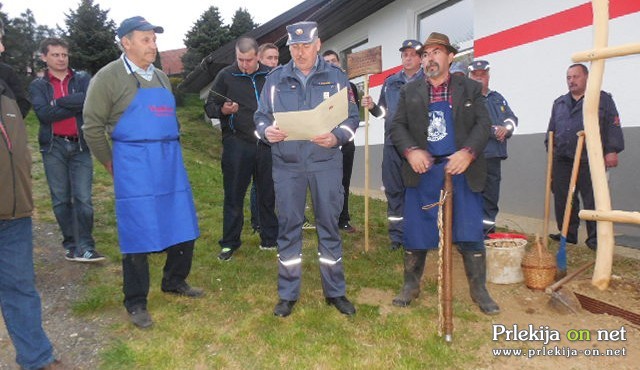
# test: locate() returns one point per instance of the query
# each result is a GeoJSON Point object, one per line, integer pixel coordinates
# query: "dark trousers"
{"type": "Point", "coordinates": [135, 273]}
{"type": "Point", "coordinates": [560, 185]}
{"type": "Point", "coordinates": [266, 198]}
{"type": "Point", "coordinates": [394, 191]}
{"type": "Point", "coordinates": [238, 163]}
{"type": "Point", "coordinates": [348, 152]}
{"type": "Point", "coordinates": [491, 194]}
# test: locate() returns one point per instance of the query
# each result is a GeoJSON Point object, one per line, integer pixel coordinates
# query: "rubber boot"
{"type": "Point", "coordinates": [476, 269]}
{"type": "Point", "coordinates": [413, 268]}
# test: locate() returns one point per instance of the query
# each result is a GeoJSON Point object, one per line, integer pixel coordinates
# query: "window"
{"type": "Point", "coordinates": [454, 19]}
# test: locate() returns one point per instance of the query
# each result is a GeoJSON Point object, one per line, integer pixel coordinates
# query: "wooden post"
{"type": "Point", "coordinates": [366, 168]}
{"type": "Point", "coordinates": [364, 63]}
{"type": "Point", "coordinates": [604, 257]}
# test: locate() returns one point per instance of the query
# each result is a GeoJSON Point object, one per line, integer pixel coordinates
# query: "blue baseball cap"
{"type": "Point", "coordinates": [136, 23]}
{"type": "Point", "coordinates": [479, 65]}
{"type": "Point", "coordinates": [302, 33]}
{"type": "Point", "coordinates": [414, 44]}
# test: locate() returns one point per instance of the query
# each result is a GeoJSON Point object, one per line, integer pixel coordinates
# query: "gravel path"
{"type": "Point", "coordinates": [77, 339]}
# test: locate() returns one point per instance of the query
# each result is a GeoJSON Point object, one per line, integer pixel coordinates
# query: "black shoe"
{"type": "Point", "coordinates": [226, 254]}
{"type": "Point", "coordinates": [557, 237]}
{"type": "Point", "coordinates": [140, 317]}
{"type": "Point", "coordinates": [395, 246]}
{"type": "Point", "coordinates": [185, 290]}
{"type": "Point", "coordinates": [342, 304]}
{"type": "Point", "coordinates": [89, 256]}
{"type": "Point", "coordinates": [347, 228]}
{"type": "Point", "coordinates": [70, 254]}
{"type": "Point", "coordinates": [268, 247]}
{"type": "Point", "coordinates": [283, 308]}
{"type": "Point", "coordinates": [592, 244]}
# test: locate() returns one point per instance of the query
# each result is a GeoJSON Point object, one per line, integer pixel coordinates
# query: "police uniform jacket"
{"type": "Point", "coordinates": [389, 97]}
{"type": "Point", "coordinates": [499, 111]}
{"type": "Point", "coordinates": [284, 92]}
{"type": "Point", "coordinates": [471, 125]}
{"type": "Point", "coordinates": [566, 120]}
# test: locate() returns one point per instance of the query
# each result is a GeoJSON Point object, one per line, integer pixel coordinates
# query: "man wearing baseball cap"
{"type": "Point", "coordinates": [302, 84]}
{"type": "Point", "coordinates": [391, 159]}
{"type": "Point", "coordinates": [131, 102]}
{"type": "Point", "coordinates": [447, 135]}
{"type": "Point", "coordinates": [503, 123]}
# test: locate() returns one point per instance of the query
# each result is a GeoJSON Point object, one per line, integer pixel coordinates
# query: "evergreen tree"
{"type": "Point", "coordinates": [21, 41]}
{"type": "Point", "coordinates": [207, 34]}
{"type": "Point", "coordinates": [90, 34]}
{"type": "Point", "coordinates": [241, 23]}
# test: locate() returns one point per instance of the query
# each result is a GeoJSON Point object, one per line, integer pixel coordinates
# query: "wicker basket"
{"type": "Point", "coordinates": [539, 268]}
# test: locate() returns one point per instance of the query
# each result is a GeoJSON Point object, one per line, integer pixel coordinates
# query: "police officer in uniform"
{"type": "Point", "coordinates": [442, 126]}
{"type": "Point", "coordinates": [503, 123]}
{"type": "Point", "coordinates": [391, 159]}
{"type": "Point", "coordinates": [302, 84]}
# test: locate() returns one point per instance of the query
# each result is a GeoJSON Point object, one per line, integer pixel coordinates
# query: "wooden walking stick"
{"type": "Point", "coordinates": [445, 268]}
{"type": "Point", "coordinates": [547, 193]}
{"type": "Point", "coordinates": [447, 303]}
{"type": "Point", "coordinates": [561, 256]}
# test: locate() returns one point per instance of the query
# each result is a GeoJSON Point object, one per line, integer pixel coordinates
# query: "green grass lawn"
{"type": "Point", "coordinates": [233, 325]}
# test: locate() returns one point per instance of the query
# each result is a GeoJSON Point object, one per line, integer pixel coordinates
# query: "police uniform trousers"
{"type": "Point", "coordinates": [394, 191]}
{"type": "Point", "coordinates": [324, 180]}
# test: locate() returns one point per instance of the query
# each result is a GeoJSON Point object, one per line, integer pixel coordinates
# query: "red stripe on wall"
{"type": "Point", "coordinates": [555, 24]}
{"type": "Point", "coordinates": [565, 21]}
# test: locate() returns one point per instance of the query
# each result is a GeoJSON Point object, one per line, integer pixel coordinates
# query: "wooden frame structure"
{"type": "Point", "coordinates": [603, 213]}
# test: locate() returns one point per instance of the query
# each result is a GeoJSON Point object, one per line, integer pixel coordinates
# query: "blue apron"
{"type": "Point", "coordinates": [420, 226]}
{"type": "Point", "coordinates": [154, 203]}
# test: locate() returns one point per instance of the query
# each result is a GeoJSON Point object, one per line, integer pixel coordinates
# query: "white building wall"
{"type": "Point", "coordinates": [532, 76]}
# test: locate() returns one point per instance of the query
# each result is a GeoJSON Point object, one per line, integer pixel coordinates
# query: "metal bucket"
{"type": "Point", "coordinates": [504, 259]}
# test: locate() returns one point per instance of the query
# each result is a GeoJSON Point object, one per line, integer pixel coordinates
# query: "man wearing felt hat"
{"type": "Point", "coordinates": [457, 129]}
{"type": "Point", "coordinates": [503, 123]}
{"type": "Point", "coordinates": [131, 102]}
{"type": "Point", "coordinates": [391, 159]}
{"type": "Point", "coordinates": [299, 85]}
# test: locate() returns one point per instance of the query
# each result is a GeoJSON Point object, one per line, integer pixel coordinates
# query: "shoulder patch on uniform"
{"type": "Point", "coordinates": [616, 121]}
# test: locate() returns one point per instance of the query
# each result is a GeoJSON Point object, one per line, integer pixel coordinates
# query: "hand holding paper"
{"type": "Point", "coordinates": [310, 124]}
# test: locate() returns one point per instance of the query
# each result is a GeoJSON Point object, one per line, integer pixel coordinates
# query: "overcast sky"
{"type": "Point", "coordinates": [176, 19]}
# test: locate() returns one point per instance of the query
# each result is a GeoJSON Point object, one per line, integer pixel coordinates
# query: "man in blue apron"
{"type": "Point", "coordinates": [442, 126]}
{"type": "Point", "coordinates": [131, 101]}
{"type": "Point", "coordinates": [302, 84]}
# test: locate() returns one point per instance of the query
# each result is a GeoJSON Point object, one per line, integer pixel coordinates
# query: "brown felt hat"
{"type": "Point", "coordinates": [436, 38]}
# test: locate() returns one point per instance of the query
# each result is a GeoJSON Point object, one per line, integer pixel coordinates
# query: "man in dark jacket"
{"type": "Point", "coordinates": [442, 126]}
{"type": "Point", "coordinates": [58, 99]}
{"type": "Point", "coordinates": [19, 298]}
{"type": "Point", "coordinates": [566, 120]}
{"type": "Point", "coordinates": [233, 100]}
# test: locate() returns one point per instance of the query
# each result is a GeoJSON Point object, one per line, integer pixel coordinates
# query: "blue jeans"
{"type": "Point", "coordinates": [69, 173]}
{"type": "Point", "coordinates": [19, 299]}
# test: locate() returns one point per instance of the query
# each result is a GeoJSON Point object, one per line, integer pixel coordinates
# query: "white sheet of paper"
{"type": "Point", "coordinates": [306, 124]}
